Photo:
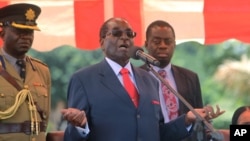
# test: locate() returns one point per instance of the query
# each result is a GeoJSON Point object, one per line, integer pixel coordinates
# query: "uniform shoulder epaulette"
{"type": "Point", "coordinates": [37, 60]}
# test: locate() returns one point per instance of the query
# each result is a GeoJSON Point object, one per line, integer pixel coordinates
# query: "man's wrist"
{"type": "Point", "coordinates": [187, 121]}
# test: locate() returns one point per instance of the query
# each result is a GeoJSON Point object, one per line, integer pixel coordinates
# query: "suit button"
{"type": "Point", "coordinates": [2, 95]}
{"type": "Point", "coordinates": [138, 116]}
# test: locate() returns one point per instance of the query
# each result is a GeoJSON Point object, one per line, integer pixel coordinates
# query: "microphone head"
{"type": "Point", "coordinates": [133, 52]}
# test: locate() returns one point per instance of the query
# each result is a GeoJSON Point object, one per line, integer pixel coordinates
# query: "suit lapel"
{"type": "Point", "coordinates": [178, 79]}
{"type": "Point", "coordinates": [180, 85]}
{"type": "Point", "coordinates": [109, 79]}
{"type": "Point", "coordinates": [141, 85]}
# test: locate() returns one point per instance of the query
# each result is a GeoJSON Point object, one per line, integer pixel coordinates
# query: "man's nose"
{"type": "Point", "coordinates": [124, 35]}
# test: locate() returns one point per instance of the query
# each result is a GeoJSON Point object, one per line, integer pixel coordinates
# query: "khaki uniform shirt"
{"type": "Point", "coordinates": [38, 80]}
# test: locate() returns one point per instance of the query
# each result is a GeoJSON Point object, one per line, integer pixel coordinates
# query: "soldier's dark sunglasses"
{"type": "Point", "coordinates": [118, 33]}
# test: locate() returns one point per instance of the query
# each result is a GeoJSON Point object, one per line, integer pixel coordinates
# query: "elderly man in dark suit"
{"type": "Point", "coordinates": [100, 106]}
{"type": "Point", "coordinates": [160, 43]}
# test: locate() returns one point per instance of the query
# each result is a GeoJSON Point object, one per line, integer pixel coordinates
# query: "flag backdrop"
{"type": "Point", "coordinates": [76, 23]}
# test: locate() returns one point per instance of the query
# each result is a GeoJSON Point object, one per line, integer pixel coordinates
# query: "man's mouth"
{"type": "Point", "coordinates": [25, 43]}
{"type": "Point", "coordinates": [162, 55]}
{"type": "Point", "coordinates": [123, 46]}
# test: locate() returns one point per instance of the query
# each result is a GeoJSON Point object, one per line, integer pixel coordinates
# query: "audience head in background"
{"type": "Point", "coordinates": [160, 41]}
{"type": "Point", "coordinates": [241, 116]}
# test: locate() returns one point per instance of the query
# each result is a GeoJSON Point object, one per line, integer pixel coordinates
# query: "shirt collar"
{"type": "Point", "coordinates": [167, 68]}
{"type": "Point", "coordinates": [9, 58]}
{"type": "Point", "coordinates": [116, 67]}
{"type": "Point", "coordinates": [12, 60]}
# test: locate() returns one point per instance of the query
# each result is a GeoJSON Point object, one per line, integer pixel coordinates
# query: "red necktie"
{"type": "Point", "coordinates": [129, 86]}
{"type": "Point", "coordinates": [169, 98]}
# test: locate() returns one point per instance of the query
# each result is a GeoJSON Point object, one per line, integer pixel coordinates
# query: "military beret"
{"type": "Point", "coordinates": [20, 15]}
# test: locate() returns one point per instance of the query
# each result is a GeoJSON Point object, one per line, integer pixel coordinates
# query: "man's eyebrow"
{"type": "Point", "coordinates": [129, 29]}
{"type": "Point", "coordinates": [157, 37]}
{"type": "Point", "coordinates": [115, 28]}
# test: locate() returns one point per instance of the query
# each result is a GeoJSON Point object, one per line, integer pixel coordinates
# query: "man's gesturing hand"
{"type": "Point", "coordinates": [74, 116]}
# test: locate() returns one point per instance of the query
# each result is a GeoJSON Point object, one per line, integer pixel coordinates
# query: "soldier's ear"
{"type": "Point", "coordinates": [101, 43]}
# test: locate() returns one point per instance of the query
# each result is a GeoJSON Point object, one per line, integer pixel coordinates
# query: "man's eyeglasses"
{"type": "Point", "coordinates": [118, 33]}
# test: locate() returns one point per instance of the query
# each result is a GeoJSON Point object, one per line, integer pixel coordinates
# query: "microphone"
{"type": "Point", "coordinates": [138, 53]}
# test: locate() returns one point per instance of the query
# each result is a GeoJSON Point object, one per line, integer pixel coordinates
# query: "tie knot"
{"type": "Point", "coordinates": [162, 73]}
{"type": "Point", "coordinates": [20, 63]}
{"type": "Point", "coordinates": [124, 71]}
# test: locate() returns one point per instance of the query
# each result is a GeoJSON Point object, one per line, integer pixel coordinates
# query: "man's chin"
{"type": "Point", "coordinates": [163, 63]}
{"type": "Point", "coordinates": [162, 59]}
{"type": "Point", "coordinates": [23, 50]}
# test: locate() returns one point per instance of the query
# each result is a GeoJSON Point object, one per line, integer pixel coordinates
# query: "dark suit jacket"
{"type": "Point", "coordinates": [188, 86]}
{"type": "Point", "coordinates": [110, 112]}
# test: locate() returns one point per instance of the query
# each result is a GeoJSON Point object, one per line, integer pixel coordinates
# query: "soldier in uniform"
{"type": "Point", "coordinates": [25, 82]}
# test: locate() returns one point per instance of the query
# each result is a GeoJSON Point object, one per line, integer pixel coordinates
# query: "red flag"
{"type": "Point", "coordinates": [131, 11]}
{"type": "Point", "coordinates": [79, 21]}
{"type": "Point", "coordinates": [2, 4]}
{"type": "Point", "coordinates": [226, 19]}
{"type": "Point", "coordinates": [89, 16]}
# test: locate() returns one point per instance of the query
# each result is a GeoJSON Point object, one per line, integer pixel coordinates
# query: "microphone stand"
{"type": "Point", "coordinates": [199, 119]}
